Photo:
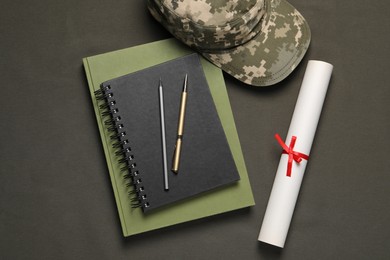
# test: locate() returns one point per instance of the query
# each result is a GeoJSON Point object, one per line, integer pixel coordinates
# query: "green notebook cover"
{"type": "Point", "coordinates": [110, 65]}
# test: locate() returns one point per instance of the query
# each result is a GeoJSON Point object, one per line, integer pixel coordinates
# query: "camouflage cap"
{"type": "Point", "coordinates": [259, 42]}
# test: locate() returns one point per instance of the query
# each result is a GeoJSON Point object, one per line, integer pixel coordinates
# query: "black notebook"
{"type": "Point", "coordinates": [130, 105]}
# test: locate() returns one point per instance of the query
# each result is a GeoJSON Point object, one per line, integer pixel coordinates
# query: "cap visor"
{"type": "Point", "coordinates": [273, 53]}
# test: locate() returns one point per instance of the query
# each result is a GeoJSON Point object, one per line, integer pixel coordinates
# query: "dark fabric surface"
{"type": "Point", "coordinates": [56, 200]}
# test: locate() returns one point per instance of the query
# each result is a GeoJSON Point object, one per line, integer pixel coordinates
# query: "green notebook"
{"type": "Point", "coordinates": [101, 68]}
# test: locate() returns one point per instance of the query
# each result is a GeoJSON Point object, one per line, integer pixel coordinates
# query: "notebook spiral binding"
{"type": "Point", "coordinates": [121, 143]}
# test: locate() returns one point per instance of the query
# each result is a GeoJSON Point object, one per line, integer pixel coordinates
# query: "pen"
{"type": "Point", "coordinates": [180, 127]}
{"type": "Point", "coordinates": [164, 144]}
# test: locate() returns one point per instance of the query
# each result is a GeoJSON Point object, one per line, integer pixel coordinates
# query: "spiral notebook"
{"type": "Point", "coordinates": [131, 108]}
{"type": "Point", "coordinates": [103, 67]}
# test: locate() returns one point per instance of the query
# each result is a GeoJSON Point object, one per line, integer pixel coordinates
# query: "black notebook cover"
{"type": "Point", "coordinates": [133, 111]}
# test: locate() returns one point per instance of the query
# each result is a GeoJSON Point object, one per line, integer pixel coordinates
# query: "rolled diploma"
{"type": "Point", "coordinates": [303, 125]}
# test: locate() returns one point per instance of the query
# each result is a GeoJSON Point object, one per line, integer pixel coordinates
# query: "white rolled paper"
{"type": "Point", "coordinates": [303, 126]}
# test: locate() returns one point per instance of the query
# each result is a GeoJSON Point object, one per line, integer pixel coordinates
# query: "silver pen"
{"type": "Point", "coordinates": [164, 144]}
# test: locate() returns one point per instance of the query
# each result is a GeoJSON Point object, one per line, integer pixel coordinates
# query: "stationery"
{"type": "Point", "coordinates": [163, 136]}
{"type": "Point", "coordinates": [296, 149]}
{"type": "Point", "coordinates": [133, 103]}
{"type": "Point", "coordinates": [103, 67]}
{"type": "Point", "coordinates": [180, 127]}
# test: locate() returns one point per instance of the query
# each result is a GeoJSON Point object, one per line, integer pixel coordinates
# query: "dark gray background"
{"type": "Point", "coordinates": [55, 195]}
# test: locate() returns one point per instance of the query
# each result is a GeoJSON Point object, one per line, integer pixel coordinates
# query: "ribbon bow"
{"type": "Point", "coordinates": [292, 155]}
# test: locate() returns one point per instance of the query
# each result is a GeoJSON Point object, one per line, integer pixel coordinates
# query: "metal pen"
{"type": "Point", "coordinates": [180, 127]}
{"type": "Point", "coordinates": [164, 143]}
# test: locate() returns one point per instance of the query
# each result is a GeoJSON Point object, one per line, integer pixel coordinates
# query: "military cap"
{"type": "Point", "coordinates": [259, 42]}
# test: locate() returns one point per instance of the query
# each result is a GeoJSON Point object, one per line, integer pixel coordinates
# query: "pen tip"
{"type": "Point", "coordinates": [185, 83]}
{"type": "Point", "coordinates": [160, 83]}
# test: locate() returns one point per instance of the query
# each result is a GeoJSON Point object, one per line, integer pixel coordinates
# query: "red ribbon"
{"type": "Point", "coordinates": [292, 155]}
